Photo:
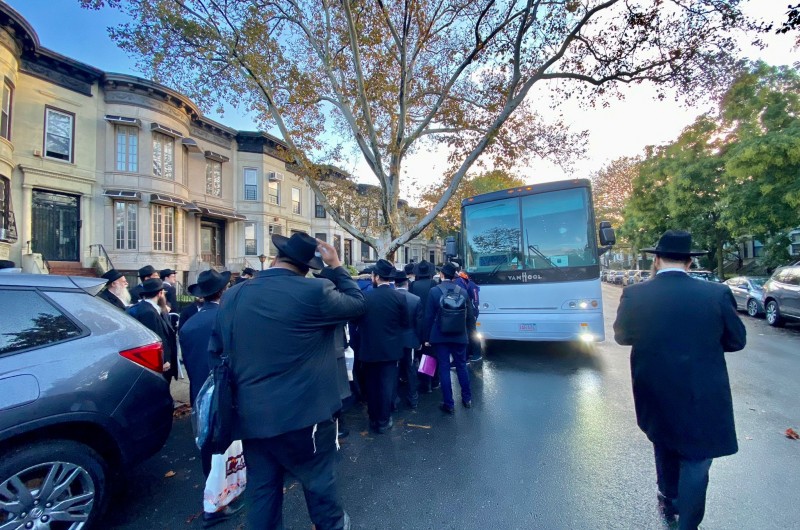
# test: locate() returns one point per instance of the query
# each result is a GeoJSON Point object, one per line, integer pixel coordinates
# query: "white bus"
{"type": "Point", "coordinates": [534, 253]}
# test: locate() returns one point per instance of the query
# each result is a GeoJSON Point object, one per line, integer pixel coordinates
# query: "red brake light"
{"type": "Point", "coordinates": [150, 356]}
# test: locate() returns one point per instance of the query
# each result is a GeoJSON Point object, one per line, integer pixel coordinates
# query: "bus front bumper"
{"type": "Point", "coordinates": [583, 327]}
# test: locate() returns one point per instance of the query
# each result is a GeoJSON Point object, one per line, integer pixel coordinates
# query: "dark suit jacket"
{"type": "Point", "coordinates": [279, 332]}
{"type": "Point", "coordinates": [433, 334]}
{"type": "Point", "coordinates": [412, 337]}
{"type": "Point", "coordinates": [422, 288]}
{"type": "Point", "coordinates": [135, 290]}
{"type": "Point", "coordinates": [187, 313]}
{"type": "Point", "coordinates": [112, 299]}
{"type": "Point", "coordinates": [148, 315]}
{"type": "Point", "coordinates": [194, 337]}
{"type": "Point", "coordinates": [679, 328]}
{"type": "Point", "coordinates": [383, 326]}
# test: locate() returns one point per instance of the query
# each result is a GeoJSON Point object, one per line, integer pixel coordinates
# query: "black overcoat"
{"type": "Point", "coordinates": [679, 328]}
{"type": "Point", "coordinates": [412, 338]}
{"type": "Point", "coordinates": [383, 326]}
{"type": "Point", "coordinates": [279, 331]}
{"type": "Point", "coordinates": [156, 322]}
{"type": "Point", "coordinates": [112, 299]}
{"type": "Point", "coordinates": [194, 337]}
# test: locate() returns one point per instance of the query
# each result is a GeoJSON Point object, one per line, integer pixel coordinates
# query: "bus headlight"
{"type": "Point", "coordinates": [581, 304]}
{"type": "Point", "coordinates": [587, 337]}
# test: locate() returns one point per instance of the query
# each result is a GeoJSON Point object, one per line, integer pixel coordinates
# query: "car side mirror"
{"type": "Point", "coordinates": [607, 236]}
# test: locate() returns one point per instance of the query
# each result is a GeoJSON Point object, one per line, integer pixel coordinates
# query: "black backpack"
{"type": "Point", "coordinates": [453, 310]}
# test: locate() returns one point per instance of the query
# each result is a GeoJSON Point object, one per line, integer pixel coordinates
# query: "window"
{"type": "Point", "coordinates": [296, 201]}
{"type": "Point", "coordinates": [415, 255]}
{"type": "Point", "coordinates": [274, 191]}
{"type": "Point", "coordinates": [364, 251]}
{"type": "Point", "coordinates": [5, 204]}
{"type": "Point", "coordinates": [250, 184]}
{"type": "Point", "coordinates": [127, 148]}
{"type": "Point", "coordinates": [5, 112]}
{"type": "Point", "coordinates": [125, 216]}
{"type": "Point", "coordinates": [319, 210]}
{"type": "Point", "coordinates": [28, 320]}
{"type": "Point", "coordinates": [163, 156]}
{"type": "Point", "coordinates": [322, 236]}
{"type": "Point", "coordinates": [213, 178]}
{"type": "Point", "coordinates": [250, 245]}
{"type": "Point", "coordinates": [274, 229]}
{"type": "Point", "coordinates": [364, 217]}
{"type": "Point", "coordinates": [163, 228]}
{"type": "Point", "coordinates": [58, 134]}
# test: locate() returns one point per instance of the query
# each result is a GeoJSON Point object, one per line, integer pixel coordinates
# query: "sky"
{"type": "Point", "coordinates": [624, 128]}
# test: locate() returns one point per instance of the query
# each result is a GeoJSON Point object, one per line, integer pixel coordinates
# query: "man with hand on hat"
{"type": "Point", "coordinates": [194, 337]}
{"type": "Point", "coordinates": [168, 276]}
{"type": "Point", "coordinates": [116, 291]}
{"type": "Point", "coordinates": [145, 273]}
{"type": "Point", "coordinates": [680, 329]}
{"type": "Point", "coordinates": [279, 333]}
{"type": "Point", "coordinates": [382, 329]}
{"type": "Point", "coordinates": [148, 312]}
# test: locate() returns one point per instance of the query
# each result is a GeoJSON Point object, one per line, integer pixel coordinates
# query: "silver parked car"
{"type": "Point", "coordinates": [782, 296]}
{"type": "Point", "coordinates": [748, 292]}
{"type": "Point", "coordinates": [81, 397]}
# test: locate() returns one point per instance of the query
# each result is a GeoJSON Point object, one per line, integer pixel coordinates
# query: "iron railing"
{"type": "Point", "coordinates": [101, 253]}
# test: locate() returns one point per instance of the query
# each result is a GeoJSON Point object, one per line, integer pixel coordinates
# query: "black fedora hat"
{"type": "Point", "coordinates": [151, 286]}
{"type": "Point", "coordinates": [300, 248]}
{"type": "Point", "coordinates": [400, 276]}
{"type": "Point", "coordinates": [146, 271]}
{"type": "Point", "coordinates": [384, 269]}
{"type": "Point", "coordinates": [409, 268]}
{"type": "Point", "coordinates": [112, 276]}
{"type": "Point", "coordinates": [165, 273]}
{"type": "Point", "coordinates": [209, 282]}
{"type": "Point", "coordinates": [249, 270]}
{"type": "Point", "coordinates": [677, 243]}
{"type": "Point", "coordinates": [449, 269]}
{"type": "Point", "coordinates": [367, 270]}
{"type": "Point", "coordinates": [423, 269]}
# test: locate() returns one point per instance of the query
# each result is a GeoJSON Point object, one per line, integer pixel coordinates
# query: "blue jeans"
{"type": "Point", "coordinates": [459, 353]}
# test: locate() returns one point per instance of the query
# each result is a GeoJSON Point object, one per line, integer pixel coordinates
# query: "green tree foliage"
{"type": "Point", "coordinates": [388, 79]}
{"type": "Point", "coordinates": [729, 175]}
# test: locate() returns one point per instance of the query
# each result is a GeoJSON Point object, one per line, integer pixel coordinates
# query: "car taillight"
{"type": "Point", "coordinates": [150, 356]}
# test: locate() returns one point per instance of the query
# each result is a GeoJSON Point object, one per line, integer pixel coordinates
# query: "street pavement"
{"type": "Point", "coordinates": [551, 442]}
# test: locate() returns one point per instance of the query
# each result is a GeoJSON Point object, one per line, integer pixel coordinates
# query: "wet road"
{"type": "Point", "coordinates": [551, 442]}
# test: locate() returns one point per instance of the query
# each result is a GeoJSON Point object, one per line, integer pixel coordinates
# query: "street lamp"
{"type": "Point", "coordinates": [262, 258]}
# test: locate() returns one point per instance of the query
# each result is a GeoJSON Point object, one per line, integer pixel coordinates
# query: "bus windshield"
{"type": "Point", "coordinates": [549, 235]}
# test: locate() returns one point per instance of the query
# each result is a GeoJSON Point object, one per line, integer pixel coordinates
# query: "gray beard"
{"type": "Point", "coordinates": [123, 295]}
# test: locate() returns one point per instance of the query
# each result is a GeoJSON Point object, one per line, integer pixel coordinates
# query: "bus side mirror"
{"type": "Point", "coordinates": [451, 247]}
{"type": "Point", "coordinates": [607, 236]}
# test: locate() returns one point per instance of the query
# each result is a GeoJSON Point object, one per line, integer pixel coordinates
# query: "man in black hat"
{"type": "Point", "coordinates": [145, 273]}
{"type": "Point", "coordinates": [449, 343]}
{"type": "Point", "coordinates": [116, 291]}
{"type": "Point", "coordinates": [148, 312]}
{"type": "Point", "coordinates": [194, 338]}
{"type": "Point", "coordinates": [169, 277]}
{"type": "Point", "coordinates": [381, 331]}
{"type": "Point", "coordinates": [247, 274]}
{"type": "Point", "coordinates": [279, 331]}
{"type": "Point", "coordinates": [679, 328]}
{"type": "Point", "coordinates": [409, 270]}
{"type": "Point", "coordinates": [421, 287]}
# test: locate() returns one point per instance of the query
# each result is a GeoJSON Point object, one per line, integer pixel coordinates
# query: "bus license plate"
{"type": "Point", "coordinates": [527, 327]}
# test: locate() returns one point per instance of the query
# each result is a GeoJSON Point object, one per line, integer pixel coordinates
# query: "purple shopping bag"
{"type": "Point", "coordinates": [427, 365]}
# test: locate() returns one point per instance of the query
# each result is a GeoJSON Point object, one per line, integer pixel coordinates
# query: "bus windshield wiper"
{"type": "Point", "coordinates": [532, 248]}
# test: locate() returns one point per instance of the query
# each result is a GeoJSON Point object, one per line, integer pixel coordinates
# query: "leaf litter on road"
{"type": "Point", "coordinates": [792, 434]}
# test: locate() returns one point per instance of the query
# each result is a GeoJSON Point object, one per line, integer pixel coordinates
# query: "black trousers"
{"type": "Point", "coordinates": [380, 379]}
{"type": "Point", "coordinates": [427, 382]}
{"type": "Point", "coordinates": [682, 485]}
{"type": "Point", "coordinates": [310, 456]}
{"type": "Point", "coordinates": [408, 371]}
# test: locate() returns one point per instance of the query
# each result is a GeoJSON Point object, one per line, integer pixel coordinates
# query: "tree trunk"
{"type": "Point", "coordinates": [720, 258]}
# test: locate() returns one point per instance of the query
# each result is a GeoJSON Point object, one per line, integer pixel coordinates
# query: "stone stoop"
{"type": "Point", "coordinates": [71, 268]}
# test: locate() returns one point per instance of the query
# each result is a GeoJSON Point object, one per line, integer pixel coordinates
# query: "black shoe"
{"type": "Point", "coordinates": [436, 386]}
{"type": "Point", "coordinates": [210, 519]}
{"type": "Point", "coordinates": [412, 404]}
{"type": "Point", "coordinates": [467, 404]}
{"type": "Point", "coordinates": [383, 429]}
{"type": "Point", "coordinates": [668, 510]}
{"type": "Point", "coordinates": [343, 433]}
{"type": "Point", "coordinates": [477, 359]}
{"type": "Point", "coordinates": [447, 409]}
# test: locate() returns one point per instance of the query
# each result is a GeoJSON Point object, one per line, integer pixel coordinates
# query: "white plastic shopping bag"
{"type": "Point", "coordinates": [227, 479]}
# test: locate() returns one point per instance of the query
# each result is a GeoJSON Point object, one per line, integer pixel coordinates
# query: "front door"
{"type": "Point", "coordinates": [56, 226]}
{"type": "Point", "coordinates": [212, 241]}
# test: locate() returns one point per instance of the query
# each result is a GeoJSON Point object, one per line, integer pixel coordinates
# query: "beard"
{"type": "Point", "coordinates": [121, 293]}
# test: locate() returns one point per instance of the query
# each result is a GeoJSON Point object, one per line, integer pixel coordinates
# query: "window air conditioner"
{"type": "Point", "coordinates": [275, 177]}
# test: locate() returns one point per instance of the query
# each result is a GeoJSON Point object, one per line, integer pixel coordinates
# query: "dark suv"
{"type": "Point", "coordinates": [81, 395]}
{"type": "Point", "coordinates": [782, 295]}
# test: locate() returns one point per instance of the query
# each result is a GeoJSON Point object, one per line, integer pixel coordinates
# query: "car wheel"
{"type": "Point", "coordinates": [752, 307]}
{"type": "Point", "coordinates": [774, 317]}
{"type": "Point", "coordinates": [58, 484]}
